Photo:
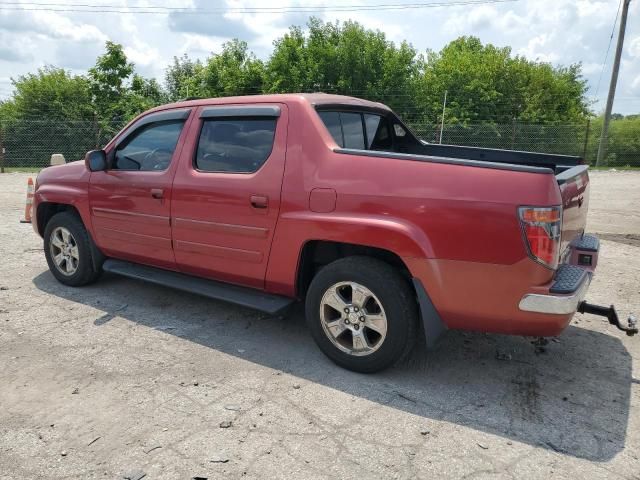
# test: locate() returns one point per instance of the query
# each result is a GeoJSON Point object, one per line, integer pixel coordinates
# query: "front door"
{"type": "Point", "coordinates": [131, 201]}
{"type": "Point", "coordinates": [226, 193]}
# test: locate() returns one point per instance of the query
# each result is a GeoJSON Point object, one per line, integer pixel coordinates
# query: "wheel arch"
{"type": "Point", "coordinates": [46, 211]}
{"type": "Point", "coordinates": [315, 254]}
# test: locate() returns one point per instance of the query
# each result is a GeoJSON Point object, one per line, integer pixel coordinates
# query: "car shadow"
{"type": "Point", "coordinates": [573, 399]}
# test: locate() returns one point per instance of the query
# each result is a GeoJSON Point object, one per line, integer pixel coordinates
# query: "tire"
{"type": "Point", "coordinates": [391, 308]}
{"type": "Point", "coordinates": [82, 271]}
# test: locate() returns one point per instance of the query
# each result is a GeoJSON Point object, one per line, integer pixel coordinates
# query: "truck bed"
{"type": "Point", "coordinates": [558, 163]}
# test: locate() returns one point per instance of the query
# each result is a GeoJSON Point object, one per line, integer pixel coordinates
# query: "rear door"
{"type": "Point", "coordinates": [130, 202]}
{"type": "Point", "coordinates": [226, 193]}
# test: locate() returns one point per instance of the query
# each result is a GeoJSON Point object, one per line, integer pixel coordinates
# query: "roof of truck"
{"type": "Point", "coordinates": [314, 99]}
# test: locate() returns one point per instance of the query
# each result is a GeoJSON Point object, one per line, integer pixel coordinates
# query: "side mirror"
{"type": "Point", "coordinates": [96, 160]}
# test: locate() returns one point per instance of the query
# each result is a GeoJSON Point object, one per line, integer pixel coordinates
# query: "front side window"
{"type": "Point", "coordinates": [235, 145]}
{"type": "Point", "coordinates": [150, 148]}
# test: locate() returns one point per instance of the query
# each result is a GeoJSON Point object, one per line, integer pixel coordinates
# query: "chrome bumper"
{"type": "Point", "coordinates": [556, 304]}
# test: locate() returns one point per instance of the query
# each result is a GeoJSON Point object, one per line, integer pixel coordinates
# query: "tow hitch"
{"type": "Point", "coordinates": [610, 312]}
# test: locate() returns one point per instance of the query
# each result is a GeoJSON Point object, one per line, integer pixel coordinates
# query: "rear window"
{"type": "Point", "coordinates": [239, 145]}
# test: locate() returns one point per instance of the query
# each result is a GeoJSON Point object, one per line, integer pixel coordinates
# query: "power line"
{"type": "Point", "coordinates": [162, 10]}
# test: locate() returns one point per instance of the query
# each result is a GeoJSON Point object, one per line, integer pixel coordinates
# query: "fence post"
{"type": "Point", "coordinates": [513, 134]}
{"type": "Point", "coordinates": [1, 148]}
{"type": "Point", "coordinates": [586, 142]}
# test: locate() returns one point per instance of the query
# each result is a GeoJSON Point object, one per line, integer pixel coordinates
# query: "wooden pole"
{"type": "Point", "coordinates": [604, 138]}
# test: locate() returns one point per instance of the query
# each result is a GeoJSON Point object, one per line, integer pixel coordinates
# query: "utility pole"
{"type": "Point", "coordinates": [444, 106]}
{"type": "Point", "coordinates": [604, 138]}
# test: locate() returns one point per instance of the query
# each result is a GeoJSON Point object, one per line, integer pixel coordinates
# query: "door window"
{"type": "Point", "coordinates": [235, 145]}
{"type": "Point", "coordinates": [352, 130]}
{"type": "Point", "coordinates": [150, 148]}
{"type": "Point", "coordinates": [378, 135]}
{"type": "Point", "coordinates": [361, 131]}
{"type": "Point", "coordinates": [331, 120]}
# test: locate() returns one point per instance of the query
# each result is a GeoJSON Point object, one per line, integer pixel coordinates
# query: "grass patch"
{"type": "Point", "coordinates": [21, 170]}
{"type": "Point", "coordinates": [626, 167]}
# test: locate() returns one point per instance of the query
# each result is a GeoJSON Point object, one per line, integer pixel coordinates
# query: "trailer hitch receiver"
{"type": "Point", "coordinates": [610, 312]}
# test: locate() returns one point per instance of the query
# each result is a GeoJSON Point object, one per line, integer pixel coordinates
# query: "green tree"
{"type": "Point", "coordinates": [234, 71]}
{"type": "Point", "coordinates": [109, 83]}
{"type": "Point", "coordinates": [49, 112]}
{"type": "Point", "coordinates": [343, 58]}
{"type": "Point", "coordinates": [624, 140]}
{"type": "Point", "coordinates": [118, 93]}
{"type": "Point", "coordinates": [487, 84]}
{"type": "Point", "coordinates": [52, 93]}
{"type": "Point", "coordinates": [183, 78]}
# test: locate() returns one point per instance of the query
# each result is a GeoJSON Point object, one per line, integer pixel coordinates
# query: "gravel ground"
{"type": "Point", "coordinates": [123, 378]}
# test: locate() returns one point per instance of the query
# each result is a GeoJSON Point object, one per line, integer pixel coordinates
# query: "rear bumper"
{"type": "Point", "coordinates": [570, 283]}
{"type": "Point", "coordinates": [523, 298]}
{"type": "Point", "coordinates": [557, 304]}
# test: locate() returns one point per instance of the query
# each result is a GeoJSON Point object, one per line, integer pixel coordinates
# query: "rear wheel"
{"type": "Point", "coordinates": [362, 313]}
{"type": "Point", "coordinates": [67, 249]}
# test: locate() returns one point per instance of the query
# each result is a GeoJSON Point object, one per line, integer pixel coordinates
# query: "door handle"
{"type": "Point", "coordinates": [157, 193]}
{"type": "Point", "coordinates": [259, 201]}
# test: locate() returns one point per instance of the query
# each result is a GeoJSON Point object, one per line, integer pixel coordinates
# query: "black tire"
{"type": "Point", "coordinates": [397, 299]}
{"type": "Point", "coordinates": [85, 272]}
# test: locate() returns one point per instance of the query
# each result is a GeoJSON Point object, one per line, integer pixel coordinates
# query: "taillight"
{"type": "Point", "coordinates": [542, 227]}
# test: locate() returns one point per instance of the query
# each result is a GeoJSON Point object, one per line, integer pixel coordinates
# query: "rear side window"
{"type": "Point", "coordinates": [332, 122]}
{"type": "Point", "coordinates": [235, 145]}
{"type": "Point", "coordinates": [361, 131]}
{"type": "Point", "coordinates": [150, 148]}
{"type": "Point", "coordinates": [352, 130]}
{"type": "Point", "coordinates": [378, 134]}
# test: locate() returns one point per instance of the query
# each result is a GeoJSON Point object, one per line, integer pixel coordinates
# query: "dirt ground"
{"type": "Point", "coordinates": [121, 379]}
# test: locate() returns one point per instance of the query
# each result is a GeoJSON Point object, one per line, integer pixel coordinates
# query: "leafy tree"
{"type": "Point", "coordinates": [144, 94]}
{"type": "Point", "coordinates": [49, 111]}
{"type": "Point", "coordinates": [342, 58]}
{"type": "Point", "coordinates": [52, 93]}
{"type": "Point", "coordinates": [182, 78]}
{"type": "Point", "coordinates": [624, 140]}
{"type": "Point", "coordinates": [109, 83]}
{"type": "Point", "coordinates": [234, 71]}
{"type": "Point", "coordinates": [119, 94]}
{"type": "Point", "coordinates": [485, 83]}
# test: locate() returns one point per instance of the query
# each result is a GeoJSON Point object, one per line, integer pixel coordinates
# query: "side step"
{"type": "Point", "coordinates": [246, 297]}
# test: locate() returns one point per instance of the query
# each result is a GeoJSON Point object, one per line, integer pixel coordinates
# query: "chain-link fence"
{"type": "Point", "coordinates": [30, 143]}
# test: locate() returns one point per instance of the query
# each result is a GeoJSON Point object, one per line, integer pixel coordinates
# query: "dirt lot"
{"type": "Point", "coordinates": [123, 377]}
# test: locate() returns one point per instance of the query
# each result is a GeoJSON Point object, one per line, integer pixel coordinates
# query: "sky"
{"type": "Point", "coordinates": [32, 35]}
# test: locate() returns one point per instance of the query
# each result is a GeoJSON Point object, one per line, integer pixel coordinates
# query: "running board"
{"type": "Point", "coordinates": [246, 297]}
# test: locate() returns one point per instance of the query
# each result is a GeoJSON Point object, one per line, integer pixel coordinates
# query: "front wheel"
{"type": "Point", "coordinates": [362, 313]}
{"type": "Point", "coordinates": [68, 250]}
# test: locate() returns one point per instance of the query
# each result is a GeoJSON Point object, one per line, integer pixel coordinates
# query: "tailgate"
{"type": "Point", "coordinates": [574, 189]}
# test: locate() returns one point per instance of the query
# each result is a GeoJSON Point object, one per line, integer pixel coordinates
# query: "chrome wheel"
{"type": "Point", "coordinates": [353, 319]}
{"type": "Point", "coordinates": [64, 251]}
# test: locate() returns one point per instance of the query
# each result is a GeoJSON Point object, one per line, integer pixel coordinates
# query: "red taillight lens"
{"type": "Point", "coordinates": [542, 227]}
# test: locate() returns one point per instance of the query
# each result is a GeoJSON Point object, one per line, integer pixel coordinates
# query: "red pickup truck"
{"type": "Point", "coordinates": [263, 200]}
